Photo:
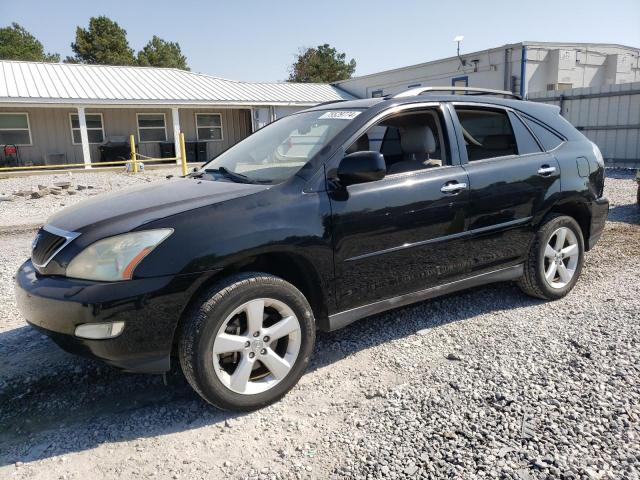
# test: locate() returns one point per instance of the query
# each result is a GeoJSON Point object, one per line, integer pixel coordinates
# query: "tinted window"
{"type": "Point", "coordinates": [526, 142]}
{"type": "Point", "coordinates": [548, 139]}
{"type": "Point", "coordinates": [409, 141]}
{"type": "Point", "coordinates": [487, 133]}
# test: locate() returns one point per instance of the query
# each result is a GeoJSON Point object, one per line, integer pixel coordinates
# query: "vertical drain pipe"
{"type": "Point", "coordinates": [523, 71]}
{"type": "Point", "coordinates": [506, 69]}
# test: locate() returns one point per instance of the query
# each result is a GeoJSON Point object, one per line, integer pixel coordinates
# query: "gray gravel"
{"type": "Point", "coordinates": [22, 211]}
{"type": "Point", "coordinates": [482, 384]}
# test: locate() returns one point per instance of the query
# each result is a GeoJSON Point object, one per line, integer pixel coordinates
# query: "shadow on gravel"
{"type": "Point", "coordinates": [44, 392]}
{"type": "Point", "coordinates": [625, 213]}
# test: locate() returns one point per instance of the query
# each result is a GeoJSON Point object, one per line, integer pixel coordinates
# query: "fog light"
{"type": "Point", "coordinates": [99, 331]}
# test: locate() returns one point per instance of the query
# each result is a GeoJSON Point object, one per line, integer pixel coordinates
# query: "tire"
{"type": "Point", "coordinates": [538, 265]}
{"type": "Point", "coordinates": [222, 320]}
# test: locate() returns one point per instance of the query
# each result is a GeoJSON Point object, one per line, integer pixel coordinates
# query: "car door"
{"type": "Point", "coordinates": [400, 234]}
{"type": "Point", "coordinates": [511, 178]}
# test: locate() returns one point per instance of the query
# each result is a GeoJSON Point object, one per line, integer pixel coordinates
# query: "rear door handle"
{"type": "Point", "coordinates": [453, 187]}
{"type": "Point", "coordinates": [546, 170]}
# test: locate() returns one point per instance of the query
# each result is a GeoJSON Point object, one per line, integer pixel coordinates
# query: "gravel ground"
{"type": "Point", "coordinates": [487, 383]}
{"type": "Point", "coordinates": [84, 184]}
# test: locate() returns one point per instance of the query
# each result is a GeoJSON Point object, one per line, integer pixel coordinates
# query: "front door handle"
{"type": "Point", "coordinates": [546, 170]}
{"type": "Point", "coordinates": [453, 187]}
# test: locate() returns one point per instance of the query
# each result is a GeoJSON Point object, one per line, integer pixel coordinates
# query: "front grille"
{"type": "Point", "coordinates": [45, 246]}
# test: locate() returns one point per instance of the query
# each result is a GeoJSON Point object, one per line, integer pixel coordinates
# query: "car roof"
{"type": "Point", "coordinates": [389, 101]}
{"type": "Point", "coordinates": [548, 114]}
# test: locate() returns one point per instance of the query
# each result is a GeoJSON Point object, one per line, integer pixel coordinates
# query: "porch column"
{"type": "Point", "coordinates": [175, 118]}
{"type": "Point", "coordinates": [84, 138]}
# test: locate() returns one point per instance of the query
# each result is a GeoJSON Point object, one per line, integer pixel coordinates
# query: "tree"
{"type": "Point", "coordinates": [103, 43]}
{"type": "Point", "coordinates": [321, 64]}
{"type": "Point", "coordinates": [18, 44]}
{"type": "Point", "coordinates": [160, 53]}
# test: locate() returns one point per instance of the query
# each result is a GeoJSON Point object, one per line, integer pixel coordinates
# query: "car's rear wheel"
{"type": "Point", "coordinates": [247, 342]}
{"type": "Point", "coordinates": [555, 259]}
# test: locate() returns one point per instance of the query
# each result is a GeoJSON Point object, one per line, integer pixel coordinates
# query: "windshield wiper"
{"type": "Point", "coordinates": [225, 172]}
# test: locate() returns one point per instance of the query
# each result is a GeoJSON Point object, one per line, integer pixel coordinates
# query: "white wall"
{"type": "Point", "coordinates": [500, 68]}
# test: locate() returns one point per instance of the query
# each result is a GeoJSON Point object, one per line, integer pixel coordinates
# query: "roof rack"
{"type": "Point", "coordinates": [470, 90]}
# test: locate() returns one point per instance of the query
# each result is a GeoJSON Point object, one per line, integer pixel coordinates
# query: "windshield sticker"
{"type": "Point", "coordinates": [340, 115]}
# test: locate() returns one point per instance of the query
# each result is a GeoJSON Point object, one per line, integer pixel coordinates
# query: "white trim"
{"type": "Point", "coordinates": [30, 144]}
{"type": "Point", "coordinates": [57, 103]}
{"type": "Point", "coordinates": [92, 128]}
{"type": "Point", "coordinates": [164, 121]}
{"type": "Point", "coordinates": [86, 151]}
{"type": "Point", "coordinates": [175, 120]}
{"type": "Point", "coordinates": [220, 127]}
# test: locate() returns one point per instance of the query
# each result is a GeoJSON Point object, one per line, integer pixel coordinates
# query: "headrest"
{"type": "Point", "coordinates": [418, 139]}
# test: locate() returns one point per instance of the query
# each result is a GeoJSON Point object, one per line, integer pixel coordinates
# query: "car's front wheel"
{"type": "Point", "coordinates": [247, 342]}
{"type": "Point", "coordinates": [555, 259]}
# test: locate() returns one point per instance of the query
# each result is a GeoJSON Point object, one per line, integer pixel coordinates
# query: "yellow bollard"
{"type": "Point", "coordinates": [132, 142]}
{"type": "Point", "coordinates": [183, 155]}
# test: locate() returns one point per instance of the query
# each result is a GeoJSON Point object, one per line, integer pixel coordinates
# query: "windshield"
{"type": "Point", "coordinates": [277, 151]}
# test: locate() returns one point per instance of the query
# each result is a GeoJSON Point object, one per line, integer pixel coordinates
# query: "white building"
{"type": "Point", "coordinates": [544, 66]}
{"type": "Point", "coordinates": [60, 114]}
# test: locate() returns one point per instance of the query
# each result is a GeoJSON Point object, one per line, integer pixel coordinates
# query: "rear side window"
{"type": "Point", "coordinates": [487, 133]}
{"type": "Point", "coordinates": [526, 142]}
{"type": "Point", "coordinates": [547, 138]}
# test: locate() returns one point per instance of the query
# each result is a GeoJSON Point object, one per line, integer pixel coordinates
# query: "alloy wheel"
{"type": "Point", "coordinates": [256, 346]}
{"type": "Point", "coordinates": [561, 257]}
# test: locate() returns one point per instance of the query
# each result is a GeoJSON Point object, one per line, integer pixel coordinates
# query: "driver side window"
{"type": "Point", "coordinates": [409, 141]}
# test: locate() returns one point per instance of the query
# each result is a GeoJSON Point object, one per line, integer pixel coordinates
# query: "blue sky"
{"type": "Point", "coordinates": [257, 40]}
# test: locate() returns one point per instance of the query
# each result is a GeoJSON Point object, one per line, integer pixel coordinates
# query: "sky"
{"type": "Point", "coordinates": [257, 40]}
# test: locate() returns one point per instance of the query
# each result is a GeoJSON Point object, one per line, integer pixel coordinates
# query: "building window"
{"type": "Point", "coordinates": [95, 128]}
{"type": "Point", "coordinates": [376, 94]}
{"type": "Point", "coordinates": [152, 127]}
{"type": "Point", "coordinates": [14, 129]}
{"type": "Point", "coordinates": [209, 126]}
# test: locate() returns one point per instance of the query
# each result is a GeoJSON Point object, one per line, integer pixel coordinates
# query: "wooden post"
{"type": "Point", "coordinates": [183, 155]}
{"type": "Point", "coordinates": [84, 138]}
{"type": "Point", "coordinates": [132, 143]}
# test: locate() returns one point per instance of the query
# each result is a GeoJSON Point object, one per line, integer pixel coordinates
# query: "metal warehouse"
{"type": "Point", "coordinates": [64, 113]}
{"type": "Point", "coordinates": [596, 86]}
{"type": "Point", "coordinates": [544, 66]}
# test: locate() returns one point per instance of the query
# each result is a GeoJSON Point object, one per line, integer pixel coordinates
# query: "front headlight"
{"type": "Point", "coordinates": [115, 258]}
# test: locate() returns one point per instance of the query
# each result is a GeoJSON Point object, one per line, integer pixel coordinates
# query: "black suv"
{"type": "Point", "coordinates": [319, 219]}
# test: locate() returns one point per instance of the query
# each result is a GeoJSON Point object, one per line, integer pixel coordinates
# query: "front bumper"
{"type": "Point", "coordinates": [599, 214]}
{"type": "Point", "coordinates": [150, 308]}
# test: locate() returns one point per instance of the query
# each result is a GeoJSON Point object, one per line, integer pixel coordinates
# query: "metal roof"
{"type": "Point", "coordinates": [55, 83]}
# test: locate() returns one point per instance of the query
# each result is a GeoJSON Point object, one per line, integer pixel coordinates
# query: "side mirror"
{"type": "Point", "coordinates": [361, 167]}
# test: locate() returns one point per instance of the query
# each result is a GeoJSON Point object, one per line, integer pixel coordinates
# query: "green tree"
{"type": "Point", "coordinates": [103, 43]}
{"type": "Point", "coordinates": [160, 53]}
{"type": "Point", "coordinates": [18, 44]}
{"type": "Point", "coordinates": [321, 64]}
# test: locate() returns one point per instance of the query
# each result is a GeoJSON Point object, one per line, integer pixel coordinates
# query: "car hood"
{"type": "Point", "coordinates": [134, 206]}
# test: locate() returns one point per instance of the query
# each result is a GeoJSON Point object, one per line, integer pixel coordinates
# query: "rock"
{"type": "Point", "coordinates": [42, 187]}
{"type": "Point", "coordinates": [6, 198]}
{"type": "Point", "coordinates": [40, 193]}
{"type": "Point", "coordinates": [81, 187]}
{"type": "Point", "coordinates": [454, 357]}
{"type": "Point", "coordinates": [410, 469]}
{"type": "Point", "coordinates": [63, 185]}
{"type": "Point", "coordinates": [71, 192]}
